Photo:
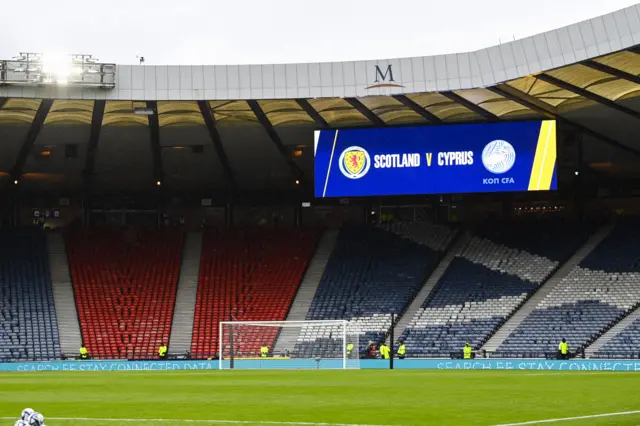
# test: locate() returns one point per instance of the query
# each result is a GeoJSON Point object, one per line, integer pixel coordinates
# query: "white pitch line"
{"type": "Point", "coordinates": [237, 422]}
{"type": "Point", "coordinates": [568, 419]}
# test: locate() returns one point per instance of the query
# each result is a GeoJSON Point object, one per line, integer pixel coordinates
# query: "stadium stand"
{"type": "Point", "coordinates": [370, 274]}
{"type": "Point", "coordinates": [486, 282]}
{"type": "Point", "coordinates": [28, 327]}
{"type": "Point", "coordinates": [625, 344]}
{"type": "Point", "coordinates": [248, 275]}
{"type": "Point", "coordinates": [125, 288]}
{"type": "Point", "coordinates": [595, 295]}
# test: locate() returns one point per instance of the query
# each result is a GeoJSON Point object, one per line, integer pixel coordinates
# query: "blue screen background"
{"type": "Point", "coordinates": [523, 136]}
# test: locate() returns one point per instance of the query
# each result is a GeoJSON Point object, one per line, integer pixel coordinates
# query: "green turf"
{"type": "Point", "coordinates": [350, 397]}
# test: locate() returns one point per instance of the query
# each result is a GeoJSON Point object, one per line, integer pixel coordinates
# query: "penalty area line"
{"type": "Point", "coordinates": [211, 422]}
{"type": "Point", "coordinates": [569, 419]}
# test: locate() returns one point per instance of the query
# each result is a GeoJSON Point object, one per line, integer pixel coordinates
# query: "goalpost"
{"type": "Point", "coordinates": [313, 344]}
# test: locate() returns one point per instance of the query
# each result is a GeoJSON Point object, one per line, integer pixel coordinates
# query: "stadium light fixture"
{"type": "Point", "coordinates": [15, 182]}
{"type": "Point", "coordinates": [36, 69]}
{"type": "Point", "coordinates": [158, 183]}
{"type": "Point", "coordinates": [297, 182]}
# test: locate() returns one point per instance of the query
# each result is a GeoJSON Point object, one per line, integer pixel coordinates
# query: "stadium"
{"type": "Point", "coordinates": [435, 240]}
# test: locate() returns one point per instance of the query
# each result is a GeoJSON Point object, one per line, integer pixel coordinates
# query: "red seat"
{"type": "Point", "coordinates": [125, 285]}
{"type": "Point", "coordinates": [249, 275]}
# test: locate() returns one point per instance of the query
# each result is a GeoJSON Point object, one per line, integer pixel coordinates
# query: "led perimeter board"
{"type": "Point", "coordinates": [463, 158]}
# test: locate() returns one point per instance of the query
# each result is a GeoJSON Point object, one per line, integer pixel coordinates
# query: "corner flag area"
{"type": "Point", "coordinates": [314, 398]}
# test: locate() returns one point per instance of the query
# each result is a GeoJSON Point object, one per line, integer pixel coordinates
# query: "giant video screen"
{"type": "Point", "coordinates": [463, 158]}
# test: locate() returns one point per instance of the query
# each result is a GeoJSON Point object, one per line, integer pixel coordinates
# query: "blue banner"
{"type": "Point", "coordinates": [275, 364]}
{"type": "Point", "coordinates": [492, 157]}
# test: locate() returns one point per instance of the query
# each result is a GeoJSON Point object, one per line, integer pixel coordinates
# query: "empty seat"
{"type": "Point", "coordinates": [28, 325]}
{"type": "Point", "coordinates": [248, 275]}
{"type": "Point", "coordinates": [371, 274]}
{"type": "Point", "coordinates": [487, 280]}
{"type": "Point", "coordinates": [593, 297]}
{"type": "Point", "coordinates": [125, 287]}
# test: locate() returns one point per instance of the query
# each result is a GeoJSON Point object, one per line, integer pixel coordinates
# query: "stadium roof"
{"type": "Point", "coordinates": [585, 75]}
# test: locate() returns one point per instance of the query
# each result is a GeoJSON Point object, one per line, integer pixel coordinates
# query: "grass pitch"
{"type": "Point", "coordinates": [364, 397]}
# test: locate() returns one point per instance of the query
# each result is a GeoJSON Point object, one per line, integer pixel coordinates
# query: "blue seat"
{"type": "Point", "coordinates": [28, 325]}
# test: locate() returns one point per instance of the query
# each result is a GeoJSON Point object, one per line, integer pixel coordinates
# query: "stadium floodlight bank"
{"type": "Point", "coordinates": [37, 69]}
{"type": "Point", "coordinates": [314, 344]}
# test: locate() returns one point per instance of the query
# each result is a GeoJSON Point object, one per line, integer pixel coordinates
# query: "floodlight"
{"type": "Point", "coordinates": [55, 68]}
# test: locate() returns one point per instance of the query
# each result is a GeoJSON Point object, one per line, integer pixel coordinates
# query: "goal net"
{"type": "Point", "coordinates": [289, 345]}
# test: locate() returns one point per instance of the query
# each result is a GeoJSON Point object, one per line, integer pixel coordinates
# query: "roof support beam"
{"type": "Point", "coordinates": [30, 139]}
{"type": "Point", "coordinates": [154, 128]}
{"type": "Point", "coordinates": [275, 138]}
{"type": "Point", "coordinates": [589, 95]}
{"type": "Point", "coordinates": [94, 136]}
{"type": "Point", "coordinates": [413, 106]}
{"type": "Point", "coordinates": [210, 121]}
{"type": "Point", "coordinates": [377, 121]}
{"type": "Point", "coordinates": [470, 105]}
{"type": "Point", "coordinates": [321, 123]}
{"type": "Point", "coordinates": [611, 71]}
{"type": "Point", "coordinates": [534, 104]}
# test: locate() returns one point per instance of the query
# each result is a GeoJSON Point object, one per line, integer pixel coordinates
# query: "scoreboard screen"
{"type": "Point", "coordinates": [463, 158]}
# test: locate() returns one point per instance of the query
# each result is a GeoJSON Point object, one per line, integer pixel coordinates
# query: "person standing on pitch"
{"type": "Point", "coordinates": [466, 351]}
{"type": "Point", "coordinates": [84, 353]}
{"type": "Point", "coordinates": [402, 349]}
{"type": "Point", "coordinates": [384, 350]}
{"type": "Point", "coordinates": [563, 349]}
{"type": "Point", "coordinates": [162, 351]}
{"type": "Point", "coordinates": [264, 351]}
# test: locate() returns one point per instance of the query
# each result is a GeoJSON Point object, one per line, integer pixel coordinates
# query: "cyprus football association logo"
{"type": "Point", "coordinates": [354, 162]}
{"type": "Point", "coordinates": [498, 157]}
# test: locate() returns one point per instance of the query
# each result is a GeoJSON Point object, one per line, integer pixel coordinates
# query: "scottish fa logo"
{"type": "Point", "coordinates": [354, 162]}
{"type": "Point", "coordinates": [498, 157]}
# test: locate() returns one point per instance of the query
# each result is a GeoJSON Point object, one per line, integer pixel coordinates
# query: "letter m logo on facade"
{"type": "Point", "coordinates": [383, 78]}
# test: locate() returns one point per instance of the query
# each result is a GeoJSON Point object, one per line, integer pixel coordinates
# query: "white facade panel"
{"type": "Point", "coordinates": [602, 39]}
{"type": "Point", "coordinates": [185, 78]}
{"type": "Point", "coordinates": [360, 69]}
{"type": "Point", "coordinates": [611, 28]}
{"type": "Point", "coordinates": [173, 77]}
{"type": "Point", "coordinates": [233, 79]}
{"type": "Point", "coordinates": [302, 72]}
{"type": "Point", "coordinates": [197, 78]}
{"type": "Point", "coordinates": [406, 71]}
{"type": "Point", "coordinates": [124, 77]}
{"type": "Point", "coordinates": [162, 78]}
{"type": "Point", "coordinates": [451, 62]}
{"type": "Point", "coordinates": [150, 80]}
{"type": "Point", "coordinates": [244, 76]}
{"type": "Point", "coordinates": [279, 75]}
{"type": "Point", "coordinates": [497, 66]}
{"type": "Point", "coordinates": [221, 78]}
{"type": "Point", "coordinates": [255, 76]}
{"type": "Point", "coordinates": [314, 75]}
{"type": "Point", "coordinates": [624, 29]}
{"type": "Point", "coordinates": [542, 51]}
{"type": "Point", "coordinates": [588, 39]}
{"type": "Point", "coordinates": [633, 18]}
{"type": "Point", "coordinates": [429, 69]}
{"type": "Point", "coordinates": [268, 77]}
{"type": "Point", "coordinates": [555, 51]}
{"type": "Point", "coordinates": [417, 67]}
{"type": "Point", "coordinates": [209, 77]}
{"type": "Point", "coordinates": [568, 55]}
{"type": "Point", "coordinates": [291, 75]}
{"type": "Point", "coordinates": [441, 67]}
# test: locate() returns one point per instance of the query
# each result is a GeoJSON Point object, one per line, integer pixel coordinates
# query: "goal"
{"type": "Point", "coordinates": [315, 344]}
